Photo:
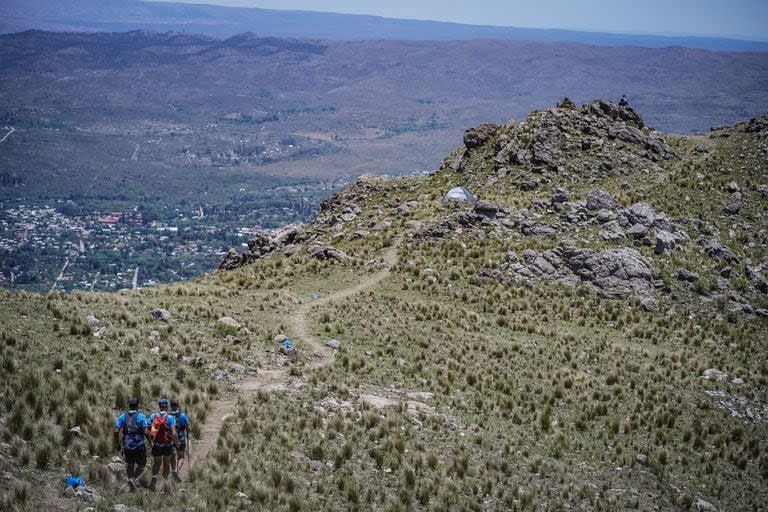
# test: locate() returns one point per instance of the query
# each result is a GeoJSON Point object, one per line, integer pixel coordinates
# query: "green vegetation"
{"type": "Point", "coordinates": [452, 388]}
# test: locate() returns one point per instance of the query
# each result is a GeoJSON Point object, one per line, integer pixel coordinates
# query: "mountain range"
{"type": "Point", "coordinates": [219, 21]}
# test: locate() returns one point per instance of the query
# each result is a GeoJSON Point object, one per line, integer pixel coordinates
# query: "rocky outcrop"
{"type": "Point", "coordinates": [614, 273]}
{"type": "Point", "coordinates": [262, 244]}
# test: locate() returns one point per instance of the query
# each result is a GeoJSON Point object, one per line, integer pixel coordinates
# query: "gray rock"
{"type": "Point", "coordinates": [161, 314]}
{"type": "Point", "coordinates": [649, 303]}
{"type": "Point", "coordinates": [762, 312]}
{"type": "Point", "coordinates": [121, 508]}
{"type": "Point", "coordinates": [490, 209]}
{"type": "Point", "coordinates": [560, 196]}
{"type": "Point", "coordinates": [327, 253]}
{"type": "Point", "coordinates": [666, 242]}
{"type": "Point", "coordinates": [479, 135]}
{"type": "Point", "coordinates": [641, 458]}
{"type": "Point", "coordinates": [714, 374]}
{"type": "Point", "coordinates": [511, 257]}
{"type": "Point", "coordinates": [414, 225]}
{"type": "Point", "coordinates": [280, 338]}
{"type": "Point", "coordinates": [334, 344]}
{"type": "Point", "coordinates": [612, 231]}
{"type": "Point", "coordinates": [229, 322]}
{"type": "Point", "coordinates": [732, 187]}
{"type": "Point", "coordinates": [348, 217]}
{"type": "Point", "coordinates": [155, 351]}
{"type": "Point", "coordinates": [92, 320]}
{"type": "Point", "coordinates": [601, 200]}
{"type": "Point", "coordinates": [687, 275]}
{"type": "Point", "coordinates": [637, 231]}
{"type": "Point", "coordinates": [642, 213]}
{"type": "Point", "coordinates": [717, 251]}
{"type": "Point", "coordinates": [704, 506]}
{"type": "Point", "coordinates": [763, 190]}
{"type": "Point", "coordinates": [757, 279]}
{"type": "Point", "coordinates": [732, 208]}
{"type": "Point", "coordinates": [604, 216]}
{"type": "Point", "coordinates": [291, 249]}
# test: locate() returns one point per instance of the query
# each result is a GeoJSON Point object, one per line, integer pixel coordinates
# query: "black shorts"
{"type": "Point", "coordinates": [162, 450]}
{"type": "Point", "coordinates": [136, 456]}
{"type": "Point", "coordinates": [182, 447]}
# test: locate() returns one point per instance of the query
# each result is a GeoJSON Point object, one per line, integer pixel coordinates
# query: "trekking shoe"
{"type": "Point", "coordinates": [153, 483]}
{"type": "Point", "coordinates": [131, 486]}
{"type": "Point", "coordinates": [175, 476]}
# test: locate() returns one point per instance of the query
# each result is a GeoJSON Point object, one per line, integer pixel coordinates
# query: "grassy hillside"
{"type": "Point", "coordinates": [465, 378]}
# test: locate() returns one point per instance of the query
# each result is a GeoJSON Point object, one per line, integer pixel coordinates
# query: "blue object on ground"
{"type": "Point", "coordinates": [75, 481]}
{"type": "Point", "coordinates": [287, 344]}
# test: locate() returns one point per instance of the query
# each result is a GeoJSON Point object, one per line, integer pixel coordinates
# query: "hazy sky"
{"type": "Point", "coordinates": [734, 18]}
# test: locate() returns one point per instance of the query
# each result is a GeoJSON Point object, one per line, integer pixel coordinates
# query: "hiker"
{"type": "Point", "coordinates": [133, 425]}
{"type": "Point", "coordinates": [623, 102]}
{"type": "Point", "coordinates": [164, 439]}
{"type": "Point", "coordinates": [182, 426]}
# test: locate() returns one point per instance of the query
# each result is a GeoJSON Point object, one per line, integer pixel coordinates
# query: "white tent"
{"type": "Point", "coordinates": [459, 194]}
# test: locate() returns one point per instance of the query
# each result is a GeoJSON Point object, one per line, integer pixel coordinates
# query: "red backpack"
{"type": "Point", "coordinates": [160, 432]}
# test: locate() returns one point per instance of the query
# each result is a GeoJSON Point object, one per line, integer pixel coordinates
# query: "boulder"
{"type": "Point", "coordinates": [377, 402]}
{"type": "Point", "coordinates": [637, 231]}
{"type": "Point", "coordinates": [601, 200]}
{"type": "Point", "coordinates": [490, 209]}
{"type": "Point", "coordinates": [687, 275]}
{"type": "Point", "coordinates": [92, 321]}
{"type": "Point", "coordinates": [612, 231]}
{"type": "Point", "coordinates": [732, 187]}
{"type": "Point", "coordinates": [666, 242]}
{"type": "Point", "coordinates": [717, 251]}
{"type": "Point", "coordinates": [334, 344]}
{"type": "Point", "coordinates": [327, 253]}
{"type": "Point", "coordinates": [560, 196]}
{"type": "Point", "coordinates": [732, 208]}
{"type": "Point", "coordinates": [229, 322]}
{"type": "Point", "coordinates": [714, 374]}
{"type": "Point", "coordinates": [479, 135]}
{"type": "Point", "coordinates": [704, 506]}
{"type": "Point", "coordinates": [161, 314]}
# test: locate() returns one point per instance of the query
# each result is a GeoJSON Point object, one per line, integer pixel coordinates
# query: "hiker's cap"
{"type": "Point", "coordinates": [163, 402]}
{"type": "Point", "coordinates": [133, 402]}
{"type": "Point", "coordinates": [174, 402]}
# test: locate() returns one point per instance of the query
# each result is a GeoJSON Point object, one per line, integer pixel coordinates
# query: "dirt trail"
{"type": "Point", "coordinates": [278, 378]}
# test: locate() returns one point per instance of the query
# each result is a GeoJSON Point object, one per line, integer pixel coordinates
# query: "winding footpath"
{"type": "Point", "coordinates": [278, 378]}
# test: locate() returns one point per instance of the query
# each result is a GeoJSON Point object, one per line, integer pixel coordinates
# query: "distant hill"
{"type": "Point", "coordinates": [218, 21]}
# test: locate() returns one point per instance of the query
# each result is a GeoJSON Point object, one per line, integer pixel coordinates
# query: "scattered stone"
{"type": "Point", "coordinates": [704, 506]}
{"type": "Point", "coordinates": [687, 275]}
{"type": "Point", "coordinates": [649, 303]}
{"type": "Point", "coordinates": [414, 225]}
{"type": "Point", "coordinates": [641, 458]}
{"type": "Point", "coordinates": [280, 338]}
{"type": "Point", "coordinates": [511, 257]}
{"type": "Point", "coordinates": [732, 187]}
{"type": "Point", "coordinates": [377, 402]}
{"type": "Point", "coordinates": [763, 190]}
{"type": "Point", "coordinates": [732, 208]}
{"type": "Point", "coordinates": [601, 200]}
{"type": "Point", "coordinates": [77, 431]}
{"type": "Point", "coordinates": [717, 251]}
{"type": "Point", "coordinates": [490, 209]}
{"type": "Point", "coordinates": [560, 196]}
{"type": "Point", "coordinates": [737, 382]}
{"type": "Point", "coordinates": [459, 194]}
{"type": "Point", "coordinates": [637, 231]}
{"type": "Point", "coordinates": [92, 320]}
{"type": "Point", "coordinates": [230, 322]}
{"type": "Point", "coordinates": [327, 253]}
{"type": "Point", "coordinates": [666, 242]}
{"type": "Point", "coordinates": [334, 344]}
{"type": "Point", "coordinates": [155, 351]}
{"type": "Point", "coordinates": [161, 314]}
{"type": "Point", "coordinates": [714, 374]}
{"type": "Point", "coordinates": [762, 312]}
{"type": "Point", "coordinates": [121, 508]}
{"type": "Point", "coordinates": [612, 231]}
{"type": "Point", "coordinates": [479, 135]}
{"type": "Point", "coordinates": [116, 468]}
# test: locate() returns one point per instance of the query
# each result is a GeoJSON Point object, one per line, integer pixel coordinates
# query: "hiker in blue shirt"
{"type": "Point", "coordinates": [134, 427]}
{"type": "Point", "coordinates": [164, 440]}
{"type": "Point", "coordinates": [182, 428]}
